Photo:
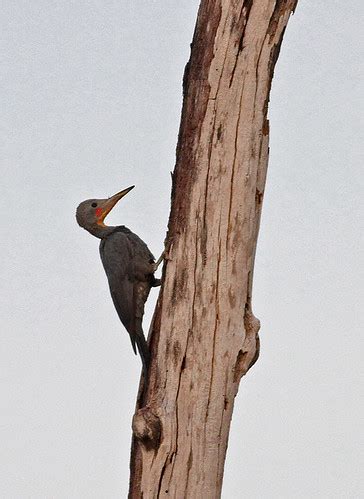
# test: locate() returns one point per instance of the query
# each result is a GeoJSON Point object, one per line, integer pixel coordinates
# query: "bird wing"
{"type": "Point", "coordinates": [128, 265]}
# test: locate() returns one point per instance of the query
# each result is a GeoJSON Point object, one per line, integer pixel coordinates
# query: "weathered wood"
{"type": "Point", "coordinates": [204, 336]}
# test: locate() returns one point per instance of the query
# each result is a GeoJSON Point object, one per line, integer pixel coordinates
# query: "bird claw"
{"type": "Point", "coordinates": [159, 261]}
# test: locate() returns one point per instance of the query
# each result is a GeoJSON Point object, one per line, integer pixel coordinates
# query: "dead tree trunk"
{"type": "Point", "coordinates": [204, 336]}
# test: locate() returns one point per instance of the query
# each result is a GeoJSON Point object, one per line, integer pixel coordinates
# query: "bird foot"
{"type": "Point", "coordinates": [159, 261]}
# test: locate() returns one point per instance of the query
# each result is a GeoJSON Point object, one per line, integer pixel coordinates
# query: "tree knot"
{"type": "Point", "coordinates": [249, 353]}
{"type": "Point", "coordinates": [147, 428]}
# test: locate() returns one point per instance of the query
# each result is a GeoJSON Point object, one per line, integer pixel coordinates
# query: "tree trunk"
{"type": "Point", "coordinates": [204, 336]}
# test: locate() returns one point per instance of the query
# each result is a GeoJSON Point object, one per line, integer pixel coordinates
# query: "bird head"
{"type": "Point", "coordinates": [91, 213]}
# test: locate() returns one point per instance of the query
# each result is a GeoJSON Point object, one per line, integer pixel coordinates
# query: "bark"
{"type": "Point", "coordinates": [204, 336]}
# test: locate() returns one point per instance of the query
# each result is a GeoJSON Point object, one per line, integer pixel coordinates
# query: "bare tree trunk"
{"type": "Point", "coordinates": [204, 336]}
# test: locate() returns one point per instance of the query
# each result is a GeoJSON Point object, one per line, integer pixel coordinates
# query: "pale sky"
{"type": "Point", "coordinates": [91, 99]}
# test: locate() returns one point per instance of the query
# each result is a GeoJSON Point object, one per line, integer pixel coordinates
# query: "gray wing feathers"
{"type": "Point", "coordinates": [128, 264]}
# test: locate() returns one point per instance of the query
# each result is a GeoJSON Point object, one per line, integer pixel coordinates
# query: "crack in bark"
{"type": "Point", "coordinates": [216, 322]}
{"type": "Point", "coordinates": [247, 5]}
{"type": "Point", "coordinates": [189, 465]}
{"type": "Point", "coordinates": [173, 454]}
{"type": "Point", "coordinates": [257, 72]}
{"type": "Point", "coordinates": [234, 162]}
{"type": "Point", "coordinates": [161, 476]}
{"type": "Point", "coordinates": [222, 420]}
{"type": "Point", "coordinates": [194, 280]}
{"type": "Point", "coordinates": [223, 64]}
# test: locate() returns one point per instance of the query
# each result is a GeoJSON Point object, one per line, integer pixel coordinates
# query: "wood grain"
{"type": "Point", "coordinates": [204, 336]}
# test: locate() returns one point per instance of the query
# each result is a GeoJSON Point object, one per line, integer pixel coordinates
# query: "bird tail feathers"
{"type": "Point", "coordinates": [143, 352]}
{"type": "Point", "coordinates": [138, 340]}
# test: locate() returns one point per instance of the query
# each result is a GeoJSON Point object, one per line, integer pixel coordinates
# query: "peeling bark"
{"type": "Point", "coordinates": [204, 336]}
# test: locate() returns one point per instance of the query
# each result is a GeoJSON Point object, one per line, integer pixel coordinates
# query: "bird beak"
{"type": "Point", "coordinates": [111, 202]}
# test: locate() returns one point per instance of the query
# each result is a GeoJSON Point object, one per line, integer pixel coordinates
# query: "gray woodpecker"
{"type": "Point", "coordinates": [129, 266]}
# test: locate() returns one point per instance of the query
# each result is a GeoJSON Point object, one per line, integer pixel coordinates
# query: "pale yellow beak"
{"type": "Point", "coordinates": [109, 204]}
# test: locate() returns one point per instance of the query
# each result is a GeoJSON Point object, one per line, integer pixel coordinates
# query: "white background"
{"type": "Point", "coordinates": [91, 99]}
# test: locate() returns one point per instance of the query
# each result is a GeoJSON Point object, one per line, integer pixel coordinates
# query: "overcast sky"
{"type": "Point", "coordinates": [91, 99]}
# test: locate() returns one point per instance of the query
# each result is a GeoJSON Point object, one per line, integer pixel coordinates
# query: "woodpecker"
{"type": "Point", "coordinates": [129, 267]}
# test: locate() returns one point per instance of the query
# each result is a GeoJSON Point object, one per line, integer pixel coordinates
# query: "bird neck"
{"type": "Point", "coordinates": [100, 231]}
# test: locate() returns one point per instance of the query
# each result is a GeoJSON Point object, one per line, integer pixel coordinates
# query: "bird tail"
{"type": "Point", "coordinates": [143, 348]}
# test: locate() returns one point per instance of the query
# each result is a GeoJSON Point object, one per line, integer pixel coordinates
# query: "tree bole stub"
{"type": "Point", "coordinates": [147, 428]}
{"type": "Point", "coordinates": [204, 336]}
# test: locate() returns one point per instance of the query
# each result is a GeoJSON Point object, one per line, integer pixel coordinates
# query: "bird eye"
{"type": "Point", "coordinates": [94, 205]}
